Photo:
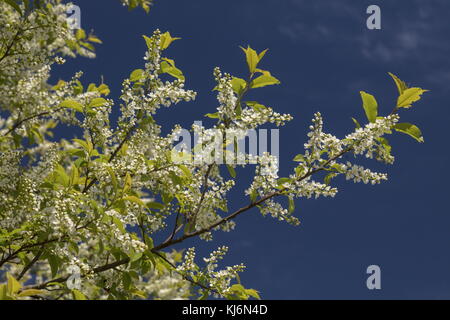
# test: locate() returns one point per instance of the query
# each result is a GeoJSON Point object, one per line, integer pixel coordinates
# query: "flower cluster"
{"type": "Point", "coordinates": [359, 173]}
{"type": "Point", "coordinates": [218, 281]}
{"type": "Point", "coordinates": [320, 142]}
{"type": "Point", "coordinates": [365, 140]}
{"type": "Point", "coordinates": [226, 96]}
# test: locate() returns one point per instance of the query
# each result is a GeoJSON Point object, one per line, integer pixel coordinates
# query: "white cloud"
{"type": "Point", "coordinates": [410, 32]}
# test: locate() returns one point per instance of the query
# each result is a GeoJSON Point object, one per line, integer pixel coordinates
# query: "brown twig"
{"type": "Point", "coordinates": [186, 277]}
{"type": "Point", "coordinates": [111, 158]}
{"type": "Point", "coordinates": [32, 262]}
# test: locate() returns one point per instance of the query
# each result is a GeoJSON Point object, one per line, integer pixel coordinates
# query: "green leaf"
{"type": "Point", "coordinates": [103, 89]}
{"type": "Point", "coordinates": [146, 6]}
{"type": "Point", "coordinates": [148, 42]}
{"type": "Point", "coordinates": [149, 242]}
{"type": "Point", "coordinates": [139, 293]}
{"type": "Point", "coordinates": [204, 295]}
{"type": "Point", "coordinates": [136, 257]}
{"type": "Point", "coordinates": [237, 288]}
{"type": "Point", "coordinates": [155, 205]}
{"type": "Point", "coordinates": [238, 85]}
{"type": "Point", "coordinates": [166, 67]}
{"type": "Point", "coordinates": [252, 58]}
{"type": "Point", "coordinates": [167, 197]}
{"type": "Point", "coordinates": [282, 181]}
{"type": "Point", "coordinates": [299, 158]}
{"type": "Point", "coordinates": [409, 96]}
{"type": "Point", "coordinates": [214, 115]}
{"type": "Point", "coordinates": [264, 80]}
{"type": "Point", "coordinates": [78, 295]}
{"type": "Point", "coordinates": [80, 34]}
{"type": "Point", "coordinates": [127, 183]}
{"type": "Point", "coordinates": [92, 87]}
{"type": "Point", "coordinates": [370, 106]}
{"type": "Point", "coordinates": [13, 286]}
{"type": "Point", "coordinates": [166, 39]}
{"type": "Point", "coordinates": [97, 102]}
{"type": "Point", "coordinates": [71, 104]}
{"type": "Point", "coordinates": [113, 178]}
{"type": "Point", "coordinates": [135, 200]}
{"type": "Point", "coordinates": [256, 106]}
{"type": "Point", "coordinates": [401, 85]}
{"type": "Point", "coordinates": [126, 280]}
{"type": "Point", "coordinates": [118, 224]}
{"type": "Point", "coordinates": [238, 110]}
{"type": "Point", "coordinates": [75, 175]}
{"type": "Point", "coordinates": [186, 171]}
{"type": "Point", "coordinates": [262, 54]}
{"type": "Point", "coordinates": [410, 130]}
{"type": "Point", "coordinates": [17, 139]}
{"type": "Point", "coordinates": [54, 263]}
{"type": "Point", "coordinates": [73, 246]}
{"type": "Point", "coordinates": [385, 143]}
{"type": "Point", "coordinates": [78, 87]}
{"type": "Point", "coordinates": [83, 144]}
{"type": "Point", "coordinates": [175, 178]}
{"type": "Point", "coordinates": [328, 177]}
{"type": "Point", "coordinates": [356, 123]}
{"type": "Point", "coordinates": [61, 176]}
{"type": "Point", "coordinates": [231, 171]}
{"type": "Point", "coordinates": [239, 292]}
{"type": "Point", "coordinates": [253, 195]}
{"type": "Point", "coordinates": [3, 292]}
{"type": "Point", "coordinates": [253, 293]}
{"type": "Point", "coordinates": [87, 45]}
{"type": "Point", "coordinates": [136, 75]}
{"type": "Point", "coordinates": [94, 39]}
{"type": "Point", "coordinates": [30, 292]}
{"type": "Point", "coordinates": [291, 205]}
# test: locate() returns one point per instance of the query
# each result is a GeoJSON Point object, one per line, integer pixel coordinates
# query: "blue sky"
{"type": "Point", "coordinates": [324, 55]}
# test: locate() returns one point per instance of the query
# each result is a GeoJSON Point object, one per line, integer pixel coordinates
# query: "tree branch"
{"type": "Point", "coordinates": [9, 47]}
{"type": "Point", "coordinates": [64, 279]}
{"type": "Point", "coordinates": [32, 262]}
{"type": "Point", "coordinates": [186, 277]}
{"type": "Point", "coordinates": [233, 215]}
{"type": "Point", "coordinates": [20, 122]}
{"type": "Point", "coordinates": [113, 155]}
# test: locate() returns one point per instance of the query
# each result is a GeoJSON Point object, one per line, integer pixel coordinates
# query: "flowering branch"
{"type": "Point", "coordinates": [53, 220]}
